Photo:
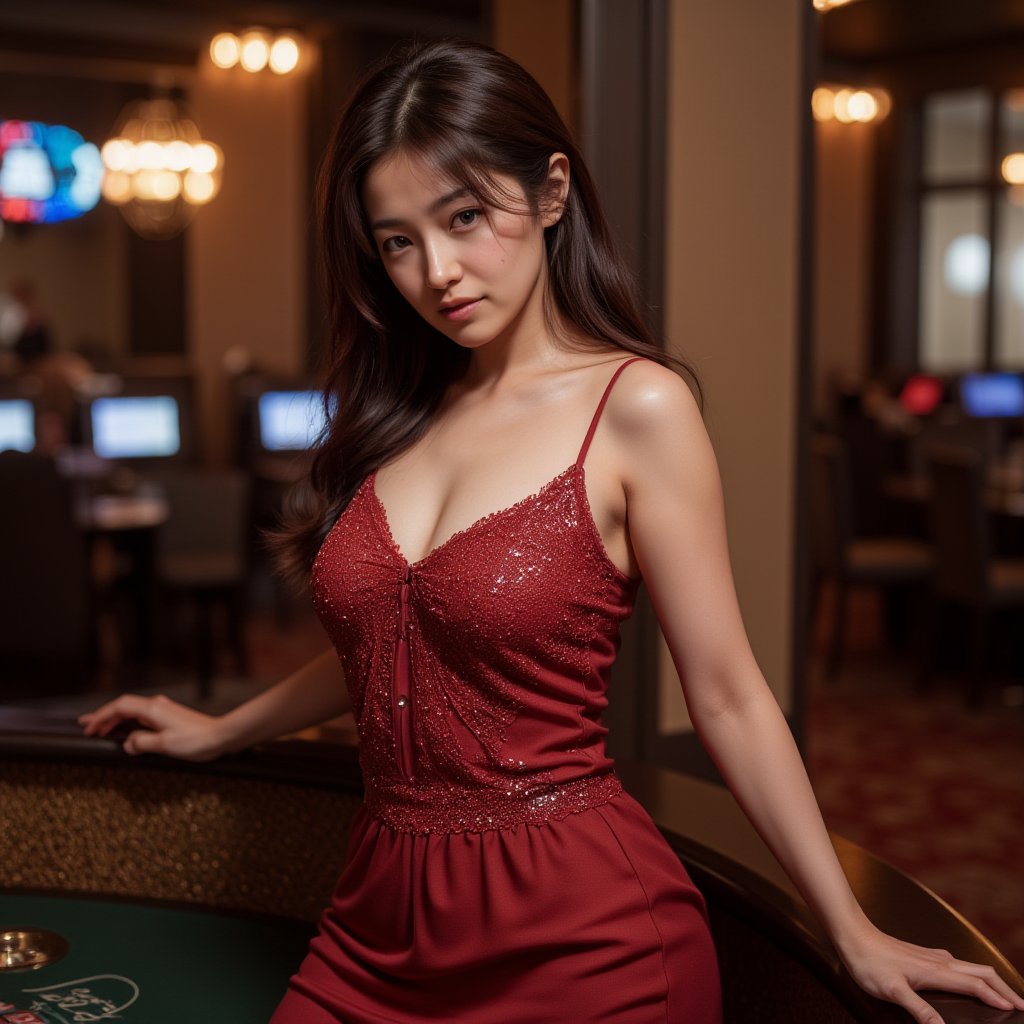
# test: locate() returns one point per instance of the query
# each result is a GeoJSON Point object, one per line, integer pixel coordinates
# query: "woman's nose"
{"type": "Point", "coordinates": [442, 267]}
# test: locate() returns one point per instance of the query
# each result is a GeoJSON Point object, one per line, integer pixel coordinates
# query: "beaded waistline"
{"type": "Point", "coordinates": [449, 808]}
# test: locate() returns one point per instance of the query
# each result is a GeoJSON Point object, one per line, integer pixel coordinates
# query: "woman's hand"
{"type": "Point", "coordinates": [892, 969]}
{"type": "Point", "coordinates": [171, 728]}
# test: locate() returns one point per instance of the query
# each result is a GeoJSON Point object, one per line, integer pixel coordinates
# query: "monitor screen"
{"type": "Point", "coordinates": [992, 394]}
{"type": "Point", "coordinates": [290, 420]}
{"type": "Point", "coordinates": [135, 427]}
{"type": "Point", "coordinates": [921, 394]}
{"type": "Point", "coordinates": [17, 425]}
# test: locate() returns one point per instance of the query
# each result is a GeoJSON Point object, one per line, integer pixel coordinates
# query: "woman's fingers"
{"type": "Point", "coordinates": [146, 710]}
{"type": "Point", "coordinates": [921, 1011]}
{"type": "Point", "coordinates": [168, 727]}
{"type": "Point", "coordinates": [892, 969]}
{"type": "Point", "coordinates": [143, 741]}
{"type": "Point", "coordinates": [987, 975]}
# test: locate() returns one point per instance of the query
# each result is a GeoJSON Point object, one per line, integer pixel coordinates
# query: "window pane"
{"type": "Point", "coordinates": [1012, 117]}
{"type": "Point", "coordinates": [956, 136]}
{"type": "Point", "coordinates": [1009, 340]}
{"type": "Point", "coordinates": [954, 279]}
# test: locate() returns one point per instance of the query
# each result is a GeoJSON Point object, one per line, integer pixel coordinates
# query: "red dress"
{"type": "Point", "coordinates": [497, 872]}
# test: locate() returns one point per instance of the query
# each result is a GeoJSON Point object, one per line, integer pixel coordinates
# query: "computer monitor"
{"type": "Point", "coordinates": [135, 426]}
{"type": "Point", "coordinates": [992, 395]}
{"type": "Point", "coordinates": [17, 424]}
{"type": "Point", "coordinates": [290, 421]}
{"type": "Point", "coordinates": [921, 394]}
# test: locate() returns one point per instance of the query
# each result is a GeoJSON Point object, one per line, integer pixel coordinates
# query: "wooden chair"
{"type": "Point", "coordinates": [838, 553]}
{"type": "Point", "coordinates": [966, 573]}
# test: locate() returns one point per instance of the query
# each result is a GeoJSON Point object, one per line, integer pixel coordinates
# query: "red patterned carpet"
{"type": "Point", "coordinates": [921, 781]}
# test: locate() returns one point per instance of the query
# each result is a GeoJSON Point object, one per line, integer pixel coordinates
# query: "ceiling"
{"type": "Point", "coordinates": [174, 31]}
{"type": "Point", "coordinates": [878, 31]}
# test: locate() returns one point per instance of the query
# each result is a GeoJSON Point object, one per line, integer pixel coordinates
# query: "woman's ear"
{"type": "Point", "coordinates": [558, 189]}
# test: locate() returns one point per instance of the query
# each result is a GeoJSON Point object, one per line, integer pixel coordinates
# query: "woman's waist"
{"type": "Point", "coordinates": [443, 805]}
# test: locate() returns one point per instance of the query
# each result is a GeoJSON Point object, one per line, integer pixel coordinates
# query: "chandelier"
{"type": "Point", "coordinates": [158, 168]}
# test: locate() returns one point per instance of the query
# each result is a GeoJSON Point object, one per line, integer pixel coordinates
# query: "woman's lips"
{"type": "Point", "coordinates": [462, 312]}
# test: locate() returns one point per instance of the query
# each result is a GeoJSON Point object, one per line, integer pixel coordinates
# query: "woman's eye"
{"type": "Point", "coordinates": [391, 244]}
{"type": "Point", "coordinates": [472, 214]}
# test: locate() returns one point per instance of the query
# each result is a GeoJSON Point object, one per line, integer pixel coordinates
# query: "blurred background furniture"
{"type": "Point", "coordinates": [47, 604]}
{"type": "Point", "coordinates": [201, 558]}
{"type": "Point", "coordinates": [966, 571]}
{"type": "Point", "coordinates": [843, 557]}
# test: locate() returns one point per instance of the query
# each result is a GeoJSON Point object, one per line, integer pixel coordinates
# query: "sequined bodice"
{"type": "Point", "coordinates": [479, 673]}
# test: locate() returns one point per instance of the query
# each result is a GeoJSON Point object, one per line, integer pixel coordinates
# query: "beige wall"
{"type": "Point", "coordinates": [731, 287]}
{"type": "Point", "coordinates": [246, 252]}
{"type": "Point", "coordinates": [842, 246]}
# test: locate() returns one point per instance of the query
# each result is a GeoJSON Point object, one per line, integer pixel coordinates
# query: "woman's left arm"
{"type": "Point", "coordinates": [676, 521]}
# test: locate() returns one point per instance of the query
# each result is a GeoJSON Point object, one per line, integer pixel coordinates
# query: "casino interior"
{"type": "Point", "coordinates": [824, 206]}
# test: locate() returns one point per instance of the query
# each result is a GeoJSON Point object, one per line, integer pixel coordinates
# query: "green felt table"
{"type": "Point", "coordinates": [141, 964]}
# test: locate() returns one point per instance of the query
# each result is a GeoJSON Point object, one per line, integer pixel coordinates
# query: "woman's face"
{"type": "Point", "coordinates": [473, 272]}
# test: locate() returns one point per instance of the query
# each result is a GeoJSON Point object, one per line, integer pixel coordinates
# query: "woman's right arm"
{"type": "Point", "coordinates": [313, 694]}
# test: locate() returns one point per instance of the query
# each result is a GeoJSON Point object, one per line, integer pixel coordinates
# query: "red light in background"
{"type": "Point", "coordinates": [921, 394]}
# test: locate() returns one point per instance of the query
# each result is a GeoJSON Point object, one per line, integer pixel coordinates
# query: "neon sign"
{"type": "Point", "coordinates": [48, 173]}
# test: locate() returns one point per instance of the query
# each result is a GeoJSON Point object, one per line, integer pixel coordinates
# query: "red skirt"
{"type": "Point", "coordinates": [591, 915]}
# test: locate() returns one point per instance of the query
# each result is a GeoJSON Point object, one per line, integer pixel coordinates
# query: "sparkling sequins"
{"type": "Point", "coordinates": [478, 674]}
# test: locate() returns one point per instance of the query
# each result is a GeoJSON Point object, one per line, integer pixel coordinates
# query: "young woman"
{"type": "Point", "coordinates": [510, 455]}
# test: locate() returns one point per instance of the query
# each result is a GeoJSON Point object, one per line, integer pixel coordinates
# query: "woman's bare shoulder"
{"type": "Point", "coordinates": [649, 397]}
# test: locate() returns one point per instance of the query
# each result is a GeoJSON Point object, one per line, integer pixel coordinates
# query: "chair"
{"type": "Point", "coordinates": [47, 621]}
{"type": "Point", "coordinates": [966, 573]}
{"type": "Point", "coordinates": [839, 554]}
{"type": "Point", "coordinates": [201, 555]}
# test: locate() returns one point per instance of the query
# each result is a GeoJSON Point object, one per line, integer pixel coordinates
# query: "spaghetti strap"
{"type": "Point", "coordinates": [600, 406]}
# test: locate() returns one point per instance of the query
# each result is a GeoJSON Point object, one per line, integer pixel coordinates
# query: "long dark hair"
{"type": "Point", "coordinates": [470, 112]}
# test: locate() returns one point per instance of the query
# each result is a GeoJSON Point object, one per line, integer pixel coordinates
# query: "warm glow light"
{"type": "Point", "coordinates": [848, 105]}
{"type": "Point", "coordinates": [823, 103]}
{"type": "Point", "coordinates": [255, 52]}
{"type": "Point", "coordinates": [151, 156]}
{"type": "Point", "coordinates": [159, 168]}
{"type": "Point", "coordinates": [198, 188]}
{"type": "Point", "coordinates": [205, 158]}
{"type": "Point", "coordinates": [284, 55]}
{"type": "Point", "coordinates": [144, 185]}
{"type": "Point", "coordinates": [827, 5]}
{"type": "Point", "coordinates": [166, 186]}
{"type": "Point", "coordinates": [225, 50]}
{"type": "Point", "coordinates": [114, 154]}
{"type": "Point", "coordinates": [1013, 169]}
{"type": "Point", "coordinates": [841, 106]}
{"type": "Point", "coordinates": [178, 156]}
{"type": "Point", "coordinates": [862, 106]}
{"type": "Point", "coordinates": [117, 187]}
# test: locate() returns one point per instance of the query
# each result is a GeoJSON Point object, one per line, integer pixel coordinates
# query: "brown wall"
{"type": "Point", "coordinates": [541, 35]}
{"type": "Point", "coordinates": [842, 244]}
{"type": "Point", "coordinates": [247, 250]}
{"type": "Point", "coordinates": [731, 287]}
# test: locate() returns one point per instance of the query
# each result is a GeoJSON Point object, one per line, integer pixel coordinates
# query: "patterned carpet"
{"type": "Point", "coordinates": [921, 781]}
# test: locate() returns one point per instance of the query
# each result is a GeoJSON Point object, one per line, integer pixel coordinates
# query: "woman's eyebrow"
{"type": "Point", "coordinates": [437, 204]}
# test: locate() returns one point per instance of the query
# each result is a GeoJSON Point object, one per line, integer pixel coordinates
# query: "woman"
{"type": "Point", "coordinates": [488, 344]}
